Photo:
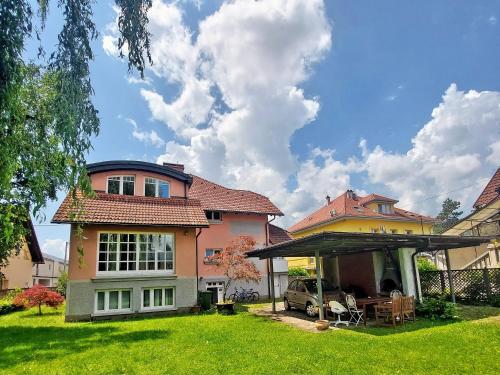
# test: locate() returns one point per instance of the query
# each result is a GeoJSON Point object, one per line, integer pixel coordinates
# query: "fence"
{"type": "Point", "coordinates": [471, 285]}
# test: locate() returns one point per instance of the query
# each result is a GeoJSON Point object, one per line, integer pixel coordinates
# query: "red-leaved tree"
{"type": "Point", "coordinates": [234, 263]}
{"type": "Point", "coordinates": [38, 295]}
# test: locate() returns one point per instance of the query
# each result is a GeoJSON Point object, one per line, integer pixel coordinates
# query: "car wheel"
{"type": "Point", "coordinates": [287, 305]}
{"type": "Point", "coordinates": [310, 310]}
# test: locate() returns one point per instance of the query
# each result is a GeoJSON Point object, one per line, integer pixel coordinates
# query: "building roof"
{"type": "Point", "coordinates": [33, 245]}
{"type": "Point", "coordinates": [219, 198]}
{"type": "Point", "coordinates": [344, 243]}
{"type": "Point", "coordinates": [123, 209]}
{"type": "Point", "coordinates": [278, 235]}
{"type": "Point", "coordinates": [490, 192]}
{"type": "Point", "coordinates": [169, 170]}
{"type": "Point", "coordinates": [349, 205]}
{"type": "Point", "coordinates": [53, 258]}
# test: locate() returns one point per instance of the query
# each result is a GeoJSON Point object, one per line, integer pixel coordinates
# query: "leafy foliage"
{"type": "Point", "coordinates": [62, 284]}
{"type": "Point", "coordinates": [47, 118]}
{"type": "Point", "coordinates": [297, 271]}
{"type": "Point", "coordinates": [234, 263]}
{"type": "Point", "coordinates": [38, 295]}
{"type": "Point", "coordinates": [424, 264]}
{"type": "Point", "coordinates": [448, 216]}
{"type": "Point", "coordinates": [436, 308]}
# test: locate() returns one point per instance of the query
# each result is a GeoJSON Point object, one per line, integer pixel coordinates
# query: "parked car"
{"type": "Point", "coordinates": [303, 294]}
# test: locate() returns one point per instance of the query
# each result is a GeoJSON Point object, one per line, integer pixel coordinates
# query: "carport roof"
{"type": "Point", "coordinates": [344, 243]}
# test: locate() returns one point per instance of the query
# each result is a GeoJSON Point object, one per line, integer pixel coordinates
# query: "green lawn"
{"type": "Point", "coordinates": [244, 344]}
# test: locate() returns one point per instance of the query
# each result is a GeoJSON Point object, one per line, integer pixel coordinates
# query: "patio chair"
{"type": "Point", "coordinates": [396, 294]}
{"type": "Point", "coordinates": [356, 314]}
{"type": "Point", "coordinates": [389, 311]}
{"type": "Point", "coordinates": [338, 309]}
{"type": "Point", "coordinates": [408, 308]}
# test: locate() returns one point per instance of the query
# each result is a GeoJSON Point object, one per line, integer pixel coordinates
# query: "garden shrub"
{"type": "Point", "coordinates": [62, 283]}
{"type": "Point", "coordinates": [297, 271]}
{"type": "Point", "coordinates": [424, 264]}
{"type": "Point", "coordinates": [7, 302]}
{"type": "Point", "coordinates": [436, 308]}
{"type": "Point", "coordinates": [38, 295]}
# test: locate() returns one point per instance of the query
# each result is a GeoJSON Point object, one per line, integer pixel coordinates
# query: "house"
{"type": "Point", "coordinates": [48, 273]}
{"type": "Point", "coordinates": [483, 221]}
{"type": "Point", "coordinates": [350, 212]}
{"type": "Point", "coordinates": [18, 272]}
{"type": "Point", "coordinates": [147, 236]}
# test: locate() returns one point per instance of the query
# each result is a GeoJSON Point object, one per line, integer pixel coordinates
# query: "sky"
{"type": "Point", "coordinates": [299, 99]}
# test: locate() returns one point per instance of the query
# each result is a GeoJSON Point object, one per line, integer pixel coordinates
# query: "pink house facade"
{"type": "Point", "coordinates": [147, 235]}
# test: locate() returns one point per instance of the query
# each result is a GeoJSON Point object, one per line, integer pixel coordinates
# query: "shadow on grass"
{"type": "Point", "coordinates": [20, 344]}
{"type": "Point", "coordinates": [420, 324]}
{"type": "Point", "coordinates": [35, 314]}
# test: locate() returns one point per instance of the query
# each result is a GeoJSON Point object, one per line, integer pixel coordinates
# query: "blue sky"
{"type": "Point", "coordinates": [319, 79]}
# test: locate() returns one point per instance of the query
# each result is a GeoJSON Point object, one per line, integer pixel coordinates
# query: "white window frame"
{"type": "Point", "coordinates": [384, 208]}
{"type": "Point", "coordinates": [206, 259]}
{"type": "Point", "coordinates": [211, 219]}
{"type": "Point", "coordinates": [137, 271]}
{"type": "Point", "coordinates": [163, 307]}
{"type": "Point", "coordinates": [120, 190]}
{"type": "Point", "coordinates": [107, 310]}
{"type": "Point", "coordinates": [157, 186]}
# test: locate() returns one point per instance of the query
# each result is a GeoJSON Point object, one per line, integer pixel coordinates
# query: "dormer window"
{"type": "Point", "coordinates": [385, 209]}
{"type": "Point", "coordinates": [154, 187]}
{"type": "Point", "coordinates": [124, 185]}
{"type": "Point", "coordinates": [213, 215]}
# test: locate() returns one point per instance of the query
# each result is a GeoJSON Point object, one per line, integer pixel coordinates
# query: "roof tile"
{"type": "Point", "coordinates": [278, 235]}
{"type": "Point", "coordinates": [490, 192]}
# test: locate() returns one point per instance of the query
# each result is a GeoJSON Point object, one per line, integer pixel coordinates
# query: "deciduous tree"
{"type": "Point", "coordinates": [38, 295]}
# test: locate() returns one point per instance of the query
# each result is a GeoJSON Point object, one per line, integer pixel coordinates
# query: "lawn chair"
{"type": "Point", "coordinates": [389, 311]}
{"type": "Point", "coordinates": [338, 309]}
{"type": "Point", "coordinates": [408, 308]}
{"type": "Point", "coordinates": [396, 294]}
{"type": "Point", "coordinates": [356, 314]}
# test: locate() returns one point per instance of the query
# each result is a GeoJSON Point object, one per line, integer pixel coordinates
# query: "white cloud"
{"type": "Point", "coordinates": [138, 81]}
{"type": "Point", "coordinates": [150, 137]}
{"type": "Point", "coordinates": [492, 20]}
{"type": "Point", "coordinates": [55, 247]}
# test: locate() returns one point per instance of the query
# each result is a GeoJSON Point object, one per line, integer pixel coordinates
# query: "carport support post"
{"type": "Point", "coordinates": [273, 297]}
{"type": "Point", "coordinates": [450, 277]}
{"type": "Point", "coordinates": [319, 286]}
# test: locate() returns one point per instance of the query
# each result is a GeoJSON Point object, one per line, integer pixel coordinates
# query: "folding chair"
{"type": "Point", "coordinates": [408, 308]}
{"type": "Point", "coordinates": [356, 314]}
{"type": "Point", "coordinates": [396, 294]}
{"type": "Point", "coordinates": [338, 309]}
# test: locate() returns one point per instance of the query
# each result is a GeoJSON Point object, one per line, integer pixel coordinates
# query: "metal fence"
{"type": "Point", "coordinates": [471, 285]}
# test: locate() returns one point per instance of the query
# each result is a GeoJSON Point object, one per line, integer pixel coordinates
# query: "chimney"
{"type": "Point", "coordinates": [349, 193]}
{"type": "Point", "coordinates": [327, 200]}
{"type": "Point", "coordinates": [178, 167]}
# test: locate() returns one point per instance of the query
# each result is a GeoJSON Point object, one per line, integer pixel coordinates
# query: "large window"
{"type": "Point", "coordinates": [157, 298]}
{"type": "Point", "coordinates": [385, 209]}
{"type": "Point", "coordinates": [125, 252]}
{"type": "Point", "coordinates": [121, 185]}
{"type": "Point", "coordinates": [113, 300]}
{"type": "Point", "coordinates": [156, 188]}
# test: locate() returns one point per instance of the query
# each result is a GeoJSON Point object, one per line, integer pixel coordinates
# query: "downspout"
{"type": "Point", "coordinates": [415, 279]}
{"type": "Point", "coordinates": [268, 268]}
{"type": "Point", "coordinates": [197, 276]}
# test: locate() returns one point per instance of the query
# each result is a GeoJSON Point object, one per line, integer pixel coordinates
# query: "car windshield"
{"type": "Point", "coordinates": [327, 286]}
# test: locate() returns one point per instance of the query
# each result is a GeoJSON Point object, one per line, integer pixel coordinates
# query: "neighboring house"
{"type": "Point", "coordinates": [483, 221]}
{"type": "Point", "coordinates": [352, 213]}
{"type": "Point", "coordinates": [147, 235]}
{"type": "Point", "coordinates": [48, 272]}
{"type": "Point", "coordinates": [18, 273]}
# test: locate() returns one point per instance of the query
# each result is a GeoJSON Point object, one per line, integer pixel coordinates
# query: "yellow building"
{"type": "Point", "coordinates": [352, 213]}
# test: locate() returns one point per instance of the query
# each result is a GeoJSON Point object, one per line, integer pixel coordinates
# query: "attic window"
{"type": "Point", "coordinates": [213, 216]}
{"type": "Point", "coordinates": [385, 209]}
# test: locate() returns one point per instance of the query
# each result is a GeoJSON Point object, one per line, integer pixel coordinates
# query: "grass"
{"type": "Point", "coordinates": [244, 343]}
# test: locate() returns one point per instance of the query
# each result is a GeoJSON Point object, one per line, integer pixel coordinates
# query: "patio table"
{"type": "Point", "coordinates": [363, 302]}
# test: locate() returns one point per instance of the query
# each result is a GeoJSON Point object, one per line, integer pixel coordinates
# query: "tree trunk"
{"type": "Point", "coordinates": [40, 309]}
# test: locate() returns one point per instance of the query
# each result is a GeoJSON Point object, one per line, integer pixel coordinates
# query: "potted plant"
{"type": "Point", "coordinates": [235, 266]}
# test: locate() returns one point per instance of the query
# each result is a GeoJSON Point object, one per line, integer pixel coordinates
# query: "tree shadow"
{"type": "Point", "coordinates": [20, 344]}
{"type": "Point", "coordinates": [386, 330]}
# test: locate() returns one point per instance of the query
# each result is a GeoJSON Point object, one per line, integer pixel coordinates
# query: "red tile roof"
{"type": "Point", "coordinates": [278, 235]}
{"type": "Point", "coordinates": [490, 192]}
{"type": "Point", "coordinates": [122, 209]}
{"type": "Point", "coordinates": [219, 198]}
{"type": "Point", "coordinates": [346, 205]}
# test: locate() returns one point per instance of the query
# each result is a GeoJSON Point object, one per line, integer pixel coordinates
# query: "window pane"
{"type": "Point", "coordinates": [208, 214]}
{"type": "Point", "coordinates": [113, 300]}
{"type": "Point", "coordinates": [103, 237]}
{"type": "Point", "coordinates": [169, 297]}
{"type": "Point", "coordinates": [113, 186]}
{"type": "Point", "coordinates": [111, 266]}
{"type": "Point", "coordinates": [102, 257]}
{"type": "Point", "coordinates": [125, 299]}
{"type": "Point", "coordinates": [100, 301]}
{"type": "Point", "coordinates": [123, 266]}
{"type": "Point", "coordinates": [157, 297]}
{"type": "Point", "coordinates": [216, 215]}
{"type": "Point", "coordinates": [145, 300]}
{"type": "Point", "coordinates": [128, 188]}
{"type": "Point", "coordinates": [123, 237]}
{"type": "Point", "coordinates": [163, 189]}
{"type": "Point", "coordinates": [102, 266]}
{"type": "Point", "coordinates": [150, 190]}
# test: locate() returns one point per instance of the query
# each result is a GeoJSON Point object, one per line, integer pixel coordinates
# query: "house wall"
{"type": "Point", "coordinates": [99, 181]}
{"type": "Point", "coordinates": [358, 269]}
{"type": "Point", "coordinates": [18, 272]}
{"type": "Point", "coordinates": [48, 272]}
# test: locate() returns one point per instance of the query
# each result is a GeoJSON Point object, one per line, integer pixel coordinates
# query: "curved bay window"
{"type": "Point", "coordinates": [142, 252]}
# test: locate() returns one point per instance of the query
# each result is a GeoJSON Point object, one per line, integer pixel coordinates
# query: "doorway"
{"type": "Point", "coordinates": [217, 289]}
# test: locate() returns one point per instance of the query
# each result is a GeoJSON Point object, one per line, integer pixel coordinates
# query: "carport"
{"type": "Point", "coordinates": [328, 244]}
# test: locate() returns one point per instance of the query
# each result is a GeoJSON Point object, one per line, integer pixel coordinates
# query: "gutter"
{"type": "Point", "coordinates": [197, 271]}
